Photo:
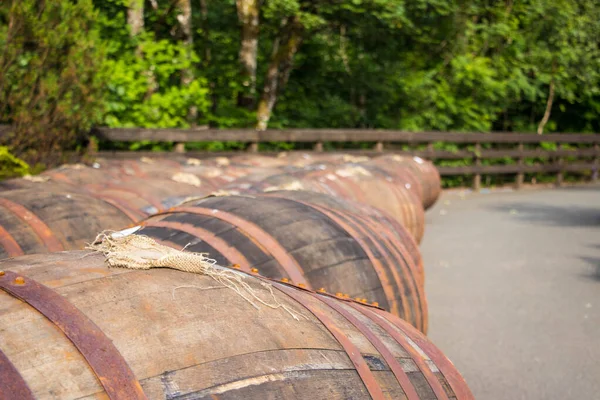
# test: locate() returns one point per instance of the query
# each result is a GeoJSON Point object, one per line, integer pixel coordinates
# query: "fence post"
{"type": "Point", "coordinates": [179, 147]}
{"type": "Point", "coordinates": [318, 147]}
{"type": "Point", "coordinates": [477, 177]}
{"type": "Point", "coordinates": [253, 148]}
{"type": "Point", "coordinates": [379, 146]}
{"type": "Point", "coordinates": [560, 162]}
{"type": "Point", "coordinates": [520, 174]}
{"type": "Point", "coordinates": [430, 151]}
{"type": "Point", "coordinates": [596, 162]}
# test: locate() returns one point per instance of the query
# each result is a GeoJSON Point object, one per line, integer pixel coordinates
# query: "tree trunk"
{"type": "Point", "coordinates": [187, 76]}
{"type": "Point", "coordinates": [248, 15]}
{"type": "Point", "coordinates": [135, 17]}
{"type": "Point", "coordinates": [279, 69]}
{"type": "Point", "coordinates": [546, 117]}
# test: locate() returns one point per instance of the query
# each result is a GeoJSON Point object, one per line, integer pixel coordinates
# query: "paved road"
{"type": "Point", "coordinates": [513, 283]}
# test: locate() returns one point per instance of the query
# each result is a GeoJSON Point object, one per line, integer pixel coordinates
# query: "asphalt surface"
{"type": "Point", "coordinates": [513, 285]}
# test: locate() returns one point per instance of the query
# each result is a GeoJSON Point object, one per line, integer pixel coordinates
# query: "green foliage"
{"type": "Point", "coordinates": [11, 166]}
{"type": "Point", "coordinates": [50, 74]}
{"type": "Point", "coordinates": [389, 64]}
{"type": "Point", "coordinates": [141, 91]}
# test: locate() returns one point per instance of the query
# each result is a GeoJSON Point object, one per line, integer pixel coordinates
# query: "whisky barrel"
{"type": "Point", "coordinates": [303, 159]}
{"type": "Point", "coordinates": [307, 241]}
{"type": "Point", "coordinates": [361, 183]}
{"type": "Point", "coordinates": [70, 328]}
{"type": "Point", "coordinates": [34, 221]}
{"type": "Point", "coordinates": [141, 197]}
{"type": "Point", "coordinates": [387, 224]}
{"type": "Point", "coordinates": [425, 171]}
{"type": "Point", "coordinates": [73, 176]}
{"type": "Point", "coordinates": [152, 195]}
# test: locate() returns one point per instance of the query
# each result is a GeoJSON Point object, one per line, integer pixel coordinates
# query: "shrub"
{"type": "Point", "coordinates": [11, 166]}
{"type": "Point", "coordinates": [50, 75]}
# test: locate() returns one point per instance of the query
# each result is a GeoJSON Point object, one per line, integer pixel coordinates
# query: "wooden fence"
{"type": "Point", "coordinates": [577, 153]}
{"type": "Point", "coordinates": [572, 153]}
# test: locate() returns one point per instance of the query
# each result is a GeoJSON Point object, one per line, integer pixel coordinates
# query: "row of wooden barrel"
{"type": "Point", "coordinates": [306, 237]}
{"type": "Point", "coordinates": [127, 334]}
{"type": "Point", "coordinates": [71, 328]}
{"type": "Point", "coordinates": [142, 188]}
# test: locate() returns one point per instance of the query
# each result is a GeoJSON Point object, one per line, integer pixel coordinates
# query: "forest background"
{"type": "Point", "coordinates": [448, 65]}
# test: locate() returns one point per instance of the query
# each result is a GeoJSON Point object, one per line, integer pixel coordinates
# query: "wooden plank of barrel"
{"type": "Point", "coordinates": [38, 221]}
{"type": "Point", "coordinates": [388, 225]}
{"type": "Point", "coordinates": [153, 195]}
{"type": "Point", "coordinates": [310, 242]}
{"type": "Point", "coordinates": [426, 172]}
{"type": "Point", "coordinates": [70, 328]}
{"type": "Point", "coordinates": [361, 183]}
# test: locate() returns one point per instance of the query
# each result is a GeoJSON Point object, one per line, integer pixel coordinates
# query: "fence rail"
{"type": "Point", "coordinates": [333, 135]}
{"type": "Point", "coordinates": [584, 158]}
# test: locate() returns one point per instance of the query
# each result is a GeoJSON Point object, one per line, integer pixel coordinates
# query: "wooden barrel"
{"type": "Point", "coordinates": [70, 328]}
{"type": "Point", "coordinates": [34, 221]}
{"type": "Point", "coordinates": [309, 242]}
{"type": "Point", "coordinates": [74, 175]}
{"type": "Point", "coordinates": [425, 171]}
{"type": "Point", "coordinates": [361, 183]}
{"type": "Point", "coordinates": [140, 197]}
{"type": "Point", "coordinates": [303, 159]}
{"type": "Point", "coordinates": [151, 195]}
{"type": "Point", "coordinates": [391, 226]}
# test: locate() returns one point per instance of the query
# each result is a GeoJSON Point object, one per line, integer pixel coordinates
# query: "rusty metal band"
{"type": "Point", "coordinates": [380, 271]}
{"type": "Point", "coordinates": [133, 215]}
{"type": "Point", "coordinates": [430, 377]}
{"type": "Point", "coordinates": [37, 225]}
{"type": "Point", "coordinates": [357, 233]}
{"type": "Point", "coordinates": [414, 275]}
{"type": "Point", "coordinates": [399, 230]}
{"type": "Point", "coordinates": [9, 244]}
{"type": "Point", "coordinates": [12, 384]}
{"type": "Point", "coordinates": [401, 377]}
{"type": "Point", "coordinates": [365, 373]}
{"type": "Point", "coordinates": [411, 273]}
{"type": "Point", "coordinates": [108, 364]}
{"type": "Point", "coordinates": [409, 206]}
{"type": "Point", "coordinates": [445, 366]}
{"type": "Point", "coordinates": [405, 281]}
{"type": "Point", "coordinates": [405, 176]}
{"type": "Point", "coordinates": [411, 310]}
{"type": "Point", "coordinates": [227, 251]}
{"type": "Point", "coordinates": [280, 254]}
{"type": "Point", "coordinates": [345, 186]}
